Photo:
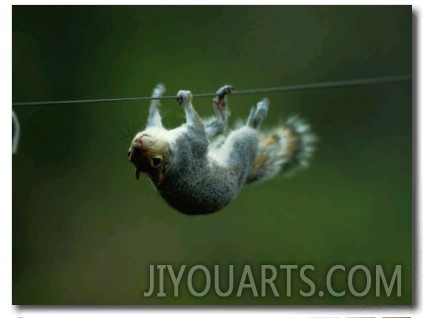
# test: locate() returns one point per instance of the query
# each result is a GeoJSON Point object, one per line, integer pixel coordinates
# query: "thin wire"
{"type": "Point", "coordinates": [345, 83]}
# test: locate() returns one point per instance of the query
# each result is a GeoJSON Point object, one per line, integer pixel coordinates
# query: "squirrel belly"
{"type": "Point", "coordinates": [204, 193]}
{"type": "Point", "coordinates": [203, 183]}
{"type": "Point", "coordinates": [197, 183]}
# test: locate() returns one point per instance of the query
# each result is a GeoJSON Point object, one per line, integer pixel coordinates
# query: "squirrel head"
{"type": "Point", "coordinates": [150, 155]}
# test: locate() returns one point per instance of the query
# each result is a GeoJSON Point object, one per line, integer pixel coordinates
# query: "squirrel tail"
{"type": "Point", "coordinates": [286, 149]}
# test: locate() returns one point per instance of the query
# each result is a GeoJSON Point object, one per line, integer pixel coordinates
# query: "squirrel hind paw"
{"type": "Point", "coordinates": [224, 90]}
{"type": "Point", "coordinates": [258, 114]}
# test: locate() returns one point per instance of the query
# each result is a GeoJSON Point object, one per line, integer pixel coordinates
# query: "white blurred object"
{"type": "Point", "coordinates": [16, 134]}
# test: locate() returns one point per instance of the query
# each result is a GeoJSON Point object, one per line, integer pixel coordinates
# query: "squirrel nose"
{"type": "Point", "coordinates": [138, 142]}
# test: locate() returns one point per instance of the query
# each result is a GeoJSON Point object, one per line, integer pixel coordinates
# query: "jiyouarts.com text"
{"type": "Point", "coordinates": [277, 280]}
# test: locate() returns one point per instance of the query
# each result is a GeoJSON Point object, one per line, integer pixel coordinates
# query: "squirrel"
{"type": "Point", "coordinates": [197, 169]}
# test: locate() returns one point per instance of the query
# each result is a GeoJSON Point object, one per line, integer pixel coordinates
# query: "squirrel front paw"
{"type": "Point", "coordinates": [184, 97]}
{"type": "Point", "coordinates": [159, 90]}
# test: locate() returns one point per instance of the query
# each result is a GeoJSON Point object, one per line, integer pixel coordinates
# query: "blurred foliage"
{"type": "Point", "coordinates": [85, 232]}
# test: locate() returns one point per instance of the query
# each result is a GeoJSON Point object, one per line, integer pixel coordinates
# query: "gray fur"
{"type": "Point", "coordinates": [258, 114]}
{"type": "Point", "coordinates": [206, 170]}
{"type": "Point", "coordinates": [203, 179]}
{"type": "Point", "coordinates": [217, 125]}
{"type": "Point", "coordinates": [154, 118]}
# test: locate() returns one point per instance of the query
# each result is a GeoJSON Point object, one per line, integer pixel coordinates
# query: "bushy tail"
{"type": "Point", "coordinates": [286, 149]}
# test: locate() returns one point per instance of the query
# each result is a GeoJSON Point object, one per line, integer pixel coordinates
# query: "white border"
{"type": "Point", "coordinates": [6, 158]}
{"type": "Point", "coordinates": [5, 170]}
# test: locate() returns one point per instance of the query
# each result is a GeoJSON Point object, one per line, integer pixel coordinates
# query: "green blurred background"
{"type": "Point", "coordinates": [85, 232]}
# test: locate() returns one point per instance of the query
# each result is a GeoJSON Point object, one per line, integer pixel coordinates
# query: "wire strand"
{"type": "Point", "coordinates": [344, 83]}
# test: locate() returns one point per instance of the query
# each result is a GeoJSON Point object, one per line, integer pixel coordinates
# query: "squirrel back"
{"type": "Point", "coordinates": [284, 150]}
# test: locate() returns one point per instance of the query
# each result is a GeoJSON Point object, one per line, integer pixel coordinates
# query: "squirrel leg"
{"type": "Point", "coordinates": [217, 124]}
{"type": "Point", "coordinates": [238, 152]}
{"type": "Point", "coordinates": [154, 119]}
{"type": "Point", "coordinates": [196, 135]}
{"type": "Point", "coordinates": [258, 114]}
{"type": "Point", "coordinates": [184, 99]}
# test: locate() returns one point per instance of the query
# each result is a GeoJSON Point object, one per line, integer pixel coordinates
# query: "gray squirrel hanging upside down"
{"type": "Point", "coordinates": [199, 170]}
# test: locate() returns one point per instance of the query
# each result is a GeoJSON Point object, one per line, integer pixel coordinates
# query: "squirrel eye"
{"type": "Point", "coordinates": [128, 153]}
{"type": "Point", "coordinates": [156, 161]}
